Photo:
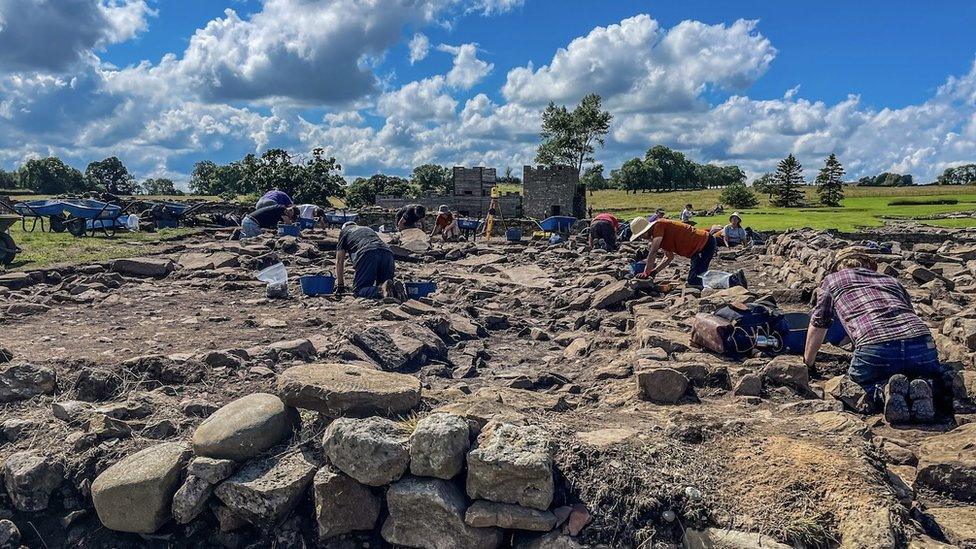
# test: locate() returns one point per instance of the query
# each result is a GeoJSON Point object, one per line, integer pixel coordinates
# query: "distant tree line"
{"type": "Point", "coordinates": [886, 179]}
{"type": "Point", "coordinates": [52, 176]}
{"type": "Point", "coordinates": [662, 169]}
{"type": "Point", "coordinates": [958, 175]}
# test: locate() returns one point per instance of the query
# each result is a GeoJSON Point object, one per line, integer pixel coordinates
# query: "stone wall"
{"type": "Point", "coordinates": [467, 205]}
{"type": "Point", "coordinates": [552, 191]}
{"type": "Point", "coordinates": [476, 181]}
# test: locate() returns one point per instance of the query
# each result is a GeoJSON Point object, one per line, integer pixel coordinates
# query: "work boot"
{"type": "Point", "coordinates": [896, 408]}
{"type": "Point", "coordinates": [923, 407]}
{"type": "Point", "coordinates": [740, 275]}
{"type": "Point", "coordinates": [386, 289]}
{"type": "Point", "coordinates": [400, 291]}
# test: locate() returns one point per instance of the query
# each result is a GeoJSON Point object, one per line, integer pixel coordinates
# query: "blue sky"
{"type": "Point", "coordinates": [888, 86]}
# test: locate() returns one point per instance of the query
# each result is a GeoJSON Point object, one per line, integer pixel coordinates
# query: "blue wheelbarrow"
{"type": "Point", "coordinates": [37, 210]}
{"type": "Point", "coordinates": [86, 216]}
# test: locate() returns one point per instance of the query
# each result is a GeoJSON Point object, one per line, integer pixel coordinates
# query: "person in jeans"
{"type": "Point", "coordinates": [893, 348]}
{"type": "Point", "coordinates": [372, 262]}
{"type": "Point", "coordinates": [267, 217]}
{"type": "Point", "coordinates": [604, 227]}
{"type": "Point", "coordinates": [674, 238]}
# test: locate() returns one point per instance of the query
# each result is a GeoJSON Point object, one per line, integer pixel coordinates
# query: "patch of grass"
{"type": "Point", "coordinates": [46, 249]}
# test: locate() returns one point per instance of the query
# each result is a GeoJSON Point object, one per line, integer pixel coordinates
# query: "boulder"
{"type": "Point", "coordinates": [612, 294]}
{"type": "Point", "coordinates": [748, 385]}
{"type": "Point", "coordinates": [244, 428]}
{"type": "Point", "coordinates": [23, 381]}
{"type": "Point", "coordinates": [662, 385]}
{"type": "Point", "coordinates": [12, 430]}
{"type": "Point", "coordinates": [94, 385]}
{"type": "Point", "coordinates": [438, 446]}
{"type": "Point", "coordinates": [164, 369]}
{"type": "Point", "coordinates": [343, 389]}
{"type": "Point", "coordinates": [210, 469]}
{"type": "Point", "coordinates": [30, 478]}
{"type": "Point", "coordinates": [295, 348]}
{"type": "Point", "coordinates": [198, 407]}
{"type": "Point", "coordinates": [263, 491]}
{"type": "Point", "coordinates": [71, 411]}
{"type": "Point", "coordinates": [429, 513]}
{"type": "Point", "coordinates": [512, 464]}
{"type": "Point", "coordinates": [483, 514]}
{"type": "Point", "coordinates": [552, 540]}
{"type": "Point", "coordinates": [135, 494]}
{"type": "Point", "coordinates": [958, 524]}
{"type": "Point", "coordinates": [398, 346]}
{"type": "Point", "coordinates": [143, 267]}
{"type": "Point", "coordinates": [342, 505]}
{"type": "Point", "coordinates": [208, 261]}
{"type": "Point", "coordinates": [190, 499]}
{"type": "Point", "coordinates": [947, 463]}
{"type": "Point", "coordinates": [788, 371]}
{"type": "Point", "coordinates": [374, 451]}
{"type": "Point", "coordinates": [848, 392]}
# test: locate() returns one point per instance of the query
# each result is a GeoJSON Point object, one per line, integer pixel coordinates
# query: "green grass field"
{"type": "Point", "coordinates": [49, 249]}
{"type": "Point", "coordinates": [862, 207]}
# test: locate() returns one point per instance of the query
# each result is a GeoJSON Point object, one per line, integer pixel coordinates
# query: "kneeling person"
{"type": "Point", "coordinates": [372, 261]}
{"type": "Point", "coordinates": [893, 347]}
{"type": "Point", "coordinates": [604, 228]}
{"type": "Point", "coordinates": [674, 237]}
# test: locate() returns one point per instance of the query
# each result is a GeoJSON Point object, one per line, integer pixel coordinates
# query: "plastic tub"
{"type": "Point", "coordinates": [417, 290]}
{"type": "Point", "coordinates": [513, 235]}
{"type": "Point", "coordinates": [836, 334]}
{"type": "Point", "coordinates": [305, 223]}
{"type": "Point", "coordinates": [793, 330]}
{"type": "Point", "coordinates": [317, 284]}
{"type": "Point", "coordinates": [637, 267]}
{"type": "Point", "coordinates": [288, 230]}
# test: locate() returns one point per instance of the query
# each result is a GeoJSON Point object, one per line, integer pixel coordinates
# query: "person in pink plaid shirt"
{"type": "Point", "coordinates": [894, 353]}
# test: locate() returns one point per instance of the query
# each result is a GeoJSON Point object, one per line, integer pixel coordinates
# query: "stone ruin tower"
{"type": "Point", "coordinates": [555, 190]}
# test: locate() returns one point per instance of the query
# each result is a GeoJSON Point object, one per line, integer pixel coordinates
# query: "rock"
{"type": "Point", "coordinates": [374, 451]}
{"type": "Point", "coordinates": [9, 535]}
{"type": "Point", "coordinates": [95, 385]}
{"type": "Point", "coordinates": [512, 464]}
{"type": "Point", "coordinates": [296, 348]}
{"type": "Point", "coordinates": [263, 491]}
{"type": "Point", "coordinates": [438, 446]}
{"type": "Point", "coordinates": [5, 355]}
{"type": "Point", "coordinates": [158, 430]}
{"type": "Point", "coordinates": [23, 381]}
{"type": "Point", "coordinates": [30, 478]}
{"type": "Point", "coordinates": [104, 427]}
{"type": "Point", "coordinates": [429, 513]}
{"type": "Point", "coordinates": [222, 359]}
{"type": "Point", "coordinates": [342, 505]}
{"type": "Point", "coordinates": [958, 524]}
{"type": "Point", "coordinates": [27, 309]}
{"type": "Point", "coordinates": [729, 539]}
{"type": "Point", "coordinates": [613, 294]}
{"type": "Point", "coordinates": [135, 494]}
{"type": "Point", "coordinates": [342, 389]}
{"type": "Point", "coordinates": [244, 428]}
{"type": "Point", "coordinates": [483, 514]}
{"type": "Point", "coordinates": [226, 519]}
{"type": "Point", "coordinates": [662, 385]}
{"type": "Point", "coordinates": [190, 499]}
{"type": "Point", "coordinates": [748, 385]}
{"type": "Point", "coordinates": [12, 430]}
{"type": "Point", "coordinates": [852, 395]}
{"type": "Point", "coordinates": [552, 540]}
{"type": "Point", "coordinates": [947, 463]}
{"type": "Point", "coordinates": [208, 261]}
{"type": "Point", "coordinates": [398, 346]}
{"type": "Point", "coordinates": [788, 371]}
{"type": "Point", "coordinates": [210, 469]}
{"type": "Point", "coordinates": [577, 348]}
{"type": "Point", "coordinates": [197, 407]}
{"type": "Point", "coordinates": [71, 411]}
{"type": "Point", "coordinates": [143, 267]}
{"type": "Point", "coordinates": [164, 370]}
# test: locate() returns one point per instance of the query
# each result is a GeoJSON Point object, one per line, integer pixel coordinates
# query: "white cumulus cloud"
{"type": "Point", "coordinates": [419, 47]}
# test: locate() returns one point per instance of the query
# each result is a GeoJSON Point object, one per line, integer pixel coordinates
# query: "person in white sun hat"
{"type": "Point", "coordinates": [674, 237]}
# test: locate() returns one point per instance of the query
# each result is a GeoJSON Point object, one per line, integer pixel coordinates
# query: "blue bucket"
{"type": "Point", "coordinates": [288, 230]}
{"type": "Point", "coordinates": [305, 223]}
{"type": "Point", "coordinates": [416, 290]}
{"type": "Point", "coordinates": [836, 334]}
{"type": "Point", "coordinates": [513, 235]}
{"type": "Point", "coordinates": [317, 284]}
{"type": "Point", "coordinates": [793, 330]}
{"type": "Point", "coordinates": [637, 267]}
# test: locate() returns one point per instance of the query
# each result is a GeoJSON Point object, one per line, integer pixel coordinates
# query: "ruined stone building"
{"type": "Point", "coordinates": [471, 196]}
{"type": "Point", "coordinates": [549, 191]}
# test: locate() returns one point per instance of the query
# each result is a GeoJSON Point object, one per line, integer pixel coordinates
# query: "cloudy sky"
{"type": "Point", "coordinates": [384, 85]}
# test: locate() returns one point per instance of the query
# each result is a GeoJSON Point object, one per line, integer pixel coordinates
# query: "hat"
{"type": "Point", "coordinates": [735, 214]}
{"type": "Point", "coordinates": [348, 224]}
{"type": "Point", "coordinates": [442, 208]}
{"type": "Point", "coordinates": [855, 252]}
{"type": "Point", "coordinates": [639, 226]}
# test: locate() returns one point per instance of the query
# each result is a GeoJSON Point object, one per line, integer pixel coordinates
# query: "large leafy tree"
{"type": "Point", "coordinates": [677, 172]}
{"type": "Point", "coordinates": [160, 186]}
{"type": "Point", "coordinates": [319, 179]}
{"type": "Point", "coordinates": [363, 192]}
{"type": "Point", "coordinates": [958, 175]}
{"type": "Point", "coordinates": [8, 180]}
{"type": "Point", "coordinates": [738, 196]}
{"type": "Point", "coordinates": [788, 182]}
{"type": "Point", "coordinates": [631, 177]}
{"type": "Point", "coordinates": [111, 175]}
{"type": "Point", "coordinates": [765, 184]}
{"type": "Point", "coordinates": [570, 137]}
{"type": "Point", "coordinates": [432, 179]}
{"type": "Point", "coordinates": [50, 176]}
{"type": "Point", "coordinates": [593, 179]}
{"type": "Point", "coordinates": [830, 182]}
{"type": "Point", "coordinates": [212, 179]}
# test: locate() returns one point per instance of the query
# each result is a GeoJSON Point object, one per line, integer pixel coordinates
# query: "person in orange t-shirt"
{"type": "Point", "coordinates": [674, 237]}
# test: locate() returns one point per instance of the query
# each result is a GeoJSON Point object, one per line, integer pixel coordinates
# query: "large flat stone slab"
{"type": "Point", "coordinates": [244, 428]}
{"type": "Point", "coordinates": [343, 389]}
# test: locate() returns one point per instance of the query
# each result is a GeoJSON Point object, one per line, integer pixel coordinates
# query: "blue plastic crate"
{"type": "Point", "coordinates": [417, 290]}
{"type": "Point", "coordinates": [289, 230]}
{"type": "Point", "coordinates": [317, 284]}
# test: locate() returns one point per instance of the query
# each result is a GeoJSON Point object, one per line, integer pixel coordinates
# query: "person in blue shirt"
{"type": "Point", "coordinates": [274, 196]}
